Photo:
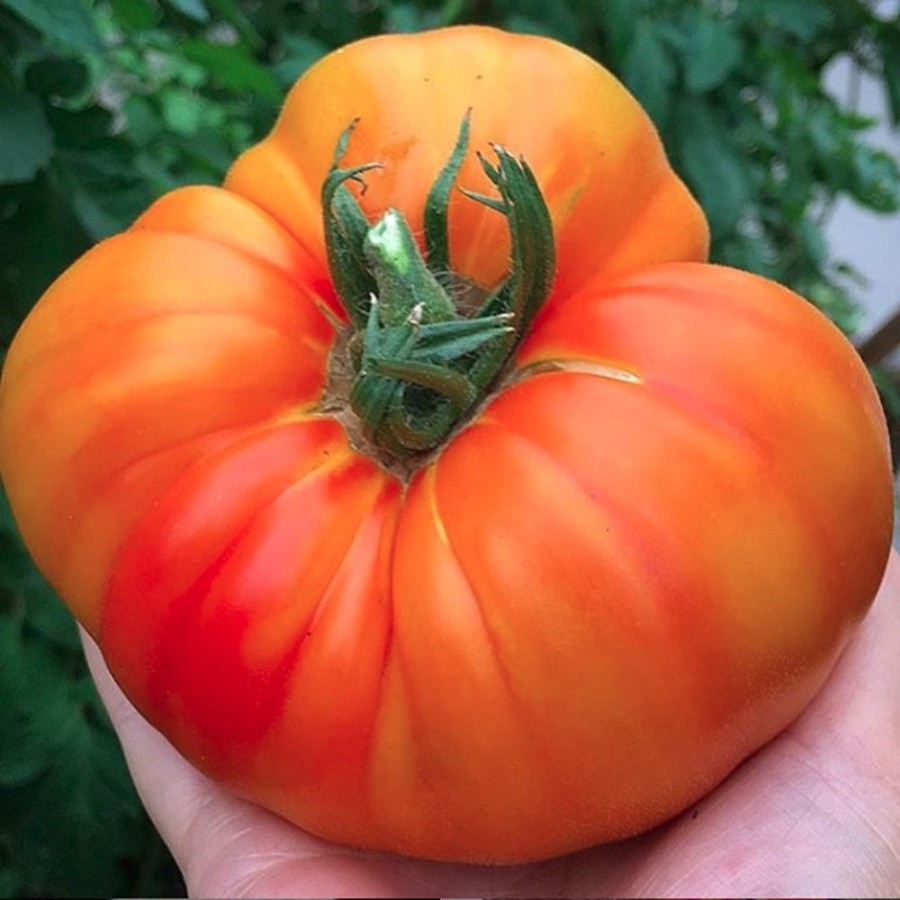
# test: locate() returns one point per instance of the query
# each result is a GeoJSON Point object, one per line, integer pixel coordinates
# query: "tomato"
{"type": "Point", "coordinates": [630, 564]}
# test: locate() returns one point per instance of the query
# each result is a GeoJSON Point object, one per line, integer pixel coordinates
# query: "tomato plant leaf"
{"type": "Point", "coordinates": [712, 51]}
{"type": "Point", "coordinates": [56, 77]}
{"type": "Point", "coordinates": [232, 66]}
{"type": "Point", "coordinates": [404, 18]}
{"type": "Point", "coordinates": [801, 20]}
{"type": "Point", "coordinates": [649, 71]}
{"type": "Point", "coordinates": [83, 792]}
{"type": "Point", "coordinates": [26, 142]}
{"type": "Point", "coordinates": [69, 23]}
{"type": "Point", "coordinates": [134, 15]}
{"type": "Point", "coordinates": [709, 162]}
{"type": "Point", "coordinates": [105, 195]}
{"type": "Point", "coordinates": [23, 752]}
{"type": "Point", "coordinates": [556, 19]}
{"type": "Point", "coordinates": [42, 236]}
{"type": "Point", "coordinates": [890, 53]}
{"type": "Point", "coordinates": [10, 879]}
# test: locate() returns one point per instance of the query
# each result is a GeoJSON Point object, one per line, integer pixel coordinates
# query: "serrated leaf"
{"type": "Point", "coordinates": [26, 142]}
{"type": "Point", "coordinates": [68, 23]}
{"type": "Point", "coordinates": [80, 821]}
{"type": "Point", "coordinates": [67, 806]}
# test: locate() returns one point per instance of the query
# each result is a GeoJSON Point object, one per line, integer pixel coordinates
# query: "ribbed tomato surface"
{"type": "Point", "coordinates": [633, 566]}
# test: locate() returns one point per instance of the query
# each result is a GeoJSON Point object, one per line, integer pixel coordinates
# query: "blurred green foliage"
{"type": "Point", "coordinates": [105, 105]}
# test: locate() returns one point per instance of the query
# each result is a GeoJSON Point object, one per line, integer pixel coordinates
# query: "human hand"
{"type": "Point", "coordinates": [815, 813]}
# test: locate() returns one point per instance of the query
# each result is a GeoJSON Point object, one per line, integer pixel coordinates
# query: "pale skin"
{"type": "Point", "coordinates": [815, 813]}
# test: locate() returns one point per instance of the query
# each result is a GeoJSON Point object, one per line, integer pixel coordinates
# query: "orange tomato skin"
{"type": "Point", "coordinates": [632, 568]}
{"type": "Point", "coordinates": [613, 197]}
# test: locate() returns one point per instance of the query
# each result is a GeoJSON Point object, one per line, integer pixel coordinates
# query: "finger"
{"type": "Point", "coordinates": [170, 788]}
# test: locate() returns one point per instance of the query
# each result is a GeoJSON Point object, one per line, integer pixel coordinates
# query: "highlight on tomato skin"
{"type": "Point", "coordinates": [631, 562]}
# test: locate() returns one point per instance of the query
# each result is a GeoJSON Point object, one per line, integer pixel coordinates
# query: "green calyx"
{"type": "Point", "coordinates": [422, 364]}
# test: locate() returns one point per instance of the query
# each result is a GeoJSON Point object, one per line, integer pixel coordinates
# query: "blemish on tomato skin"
{"type": "Point", "coordinates": [394, 153]}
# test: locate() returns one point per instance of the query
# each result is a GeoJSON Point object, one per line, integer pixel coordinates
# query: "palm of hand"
{"type": "Point", "coordinates": [815, 813]}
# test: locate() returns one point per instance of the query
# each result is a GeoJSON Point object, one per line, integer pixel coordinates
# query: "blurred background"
{"type": "Point", "coordinates": [781, 116]}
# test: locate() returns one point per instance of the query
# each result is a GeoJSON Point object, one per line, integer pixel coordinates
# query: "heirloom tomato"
{"type": "Point", "coordinates": [424, 485]}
